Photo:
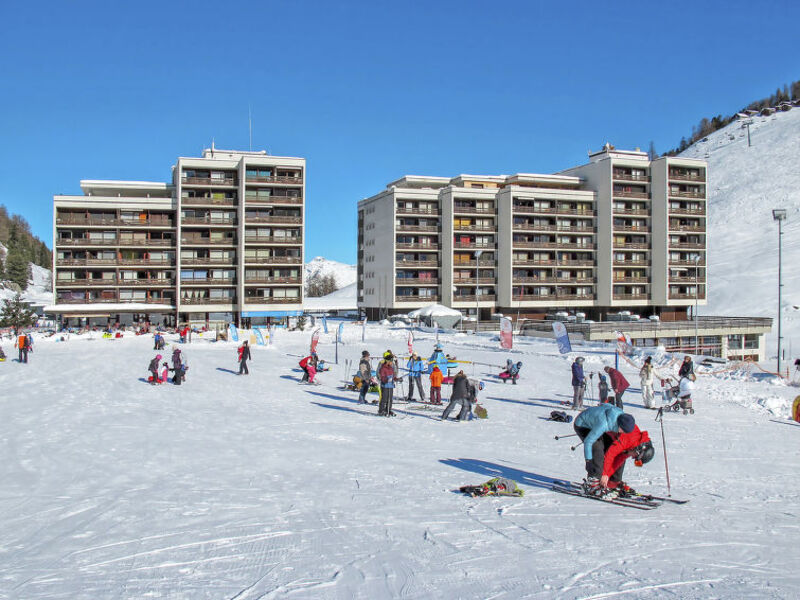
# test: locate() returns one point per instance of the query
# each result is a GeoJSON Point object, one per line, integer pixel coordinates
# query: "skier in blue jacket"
{"type": "Point", "coordinates": [578, 383]}
{"type": "Point", "coordinates": [415, 367]}
{"type": "Point", "coordinates": [598, 428]}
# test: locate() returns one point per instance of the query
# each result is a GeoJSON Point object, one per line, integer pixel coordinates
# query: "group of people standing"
{"type": "Point", "coordinates": [159, 371]}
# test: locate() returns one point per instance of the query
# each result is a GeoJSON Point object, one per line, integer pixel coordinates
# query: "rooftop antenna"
{"type": "Point", "coordinates": [212, 147]}
{"type": "Point", "coordinates": [250, 125]}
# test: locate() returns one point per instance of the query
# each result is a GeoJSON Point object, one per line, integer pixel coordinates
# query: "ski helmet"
{"type": "Point", "coordinates": [388, 354]}
{"type": "Point", "coordinates": [519, 364]}
{"type": "Point", "coordinates": [643, 453]}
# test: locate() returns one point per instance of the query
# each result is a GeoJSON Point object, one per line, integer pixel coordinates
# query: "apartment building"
{"type": "Point", "coordinates": [618, 233]}
{"type": "Point", "coordinates": [223, 242]}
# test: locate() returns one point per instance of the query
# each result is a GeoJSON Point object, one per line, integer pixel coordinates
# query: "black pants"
{"type": "Point", "coordinates": [385, 407]}
{"type": "Point", "coordinates": [243, 368]}
{"type": "Point", "coordinates": [599, 448]}
{"type": "Point", "coordinates": [305, 374]}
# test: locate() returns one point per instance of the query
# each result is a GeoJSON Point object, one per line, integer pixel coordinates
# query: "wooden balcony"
{"type": "Point", "coordinates": [643, 297]}
{"type": "Point", "coordinates": [555, 280]}
{"type": "Point", "coordinates": [686, 263]}
{"type": "Point", "coordinates": [204, 241]}
{"type": "Point", "coordinates": [688, 228]}
{"type": "Point", "coordinates": [272, 239]}
{"type": "Point", "coordinates": [687, 245]}
{"type": "Point", "coordinates": [576, 212]}
{"type": "Point", "coordinates": [426, 299]}
{"type": "Point", "coordinates": [471, 298]}
{"type": "Point", "coordinates": [273, 199]}
{"type": "Point", "coordinates": [280, 219]}
{"type": "Point", "coordinates": [553, 297]}
{"type": "Point", "coordinates": [674, 296]}
{"type": "Point", "coordinates": [114, 300]}
{"type": "Point", "coordinates": [146, 282]}
{"type": "Point", "coordinates": [631, 263]}
{"type": "Point", "coordinates": [230, 282]}
{"type": "Point", "coordinates": [417, 281]}
{"type": "Point", "coordinates": [416, 211]}
{"type": "Point", "coordinates": [635, 280]}
{"type": "Point", "coordinates": [630, 177]}
{"type": "Point", "coordinates": [273, 179]}
{"type": "Point", "coordinates": [471, 210]}
{"type": "Point", "coordinates": [473, 282]}
{"type": "Point", "coordinates": [687, 280]}
{"type": "Point", "coordinates": [230, 222]}
{"type": "Point", "coordinates": [86, 282]}
{"type": "Point", "coordinates": [621, 194]}
{"type": "Point", "coordinates": [82, 262]}
{"type": "Point", "coordinates": [271, 300]}
{"type": "Point", "coordinates": [426, 228]}
{"type": "Point", "coordinates": [143, 262]}
{"type": "Point", "coordinates": [408, 264]}
{"type": "Point", "coordinates": [146, 243]}
{"type": "Point", "coordinates": [687, 211]}
{"type": "Point", "coordinates": [473, 246]}
{"type": "Point", "coordinates": [431, 247]}
{"type": "Point", "coordinates": [683, 177]}
{"type": "Point", "coordinates": [208, 261]}
{"type": "Point", "coordinates": [273, 280]}
{"type": "Point", "coordinates": [272, 260]}
{"type": "Point", "coordinates": [555, 245]}
{"type": "Point", "coordinates": [685, 194]}
{"type": "Point", "coordinates": [227, 181]}
{"type": "Point", "coordinates": [631, 246]}
{"type": "Point", "coordinates": [196, 301]}
{"type": "Point", "coordinates": [490, 263]}
{"type": "Point", "coordinates": [85, 242]}
{"type": "Point", "coordinates": [641, 212]}
{"type": "Point", "coordinates": [95, 222]}
{"type": "Point", "coordinates": [208, 201]}
{"type": "Point", "coordinates": [643, 229]}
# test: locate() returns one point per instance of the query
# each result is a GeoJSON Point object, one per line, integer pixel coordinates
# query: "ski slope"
{"type": "Point", "coordinates": [258, 487]}
{"type": "Point", "coordinates": [745, 184]}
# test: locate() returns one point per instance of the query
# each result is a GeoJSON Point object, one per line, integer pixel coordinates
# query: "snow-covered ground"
{"type": "Point", "coordinates": [344, 274]}
{"type": "Point", "coordinates": [745, 184]}
{"type": "Point", "coordinates": [39, 290]}
{"type": "Point", "coordinates": [257, 487]}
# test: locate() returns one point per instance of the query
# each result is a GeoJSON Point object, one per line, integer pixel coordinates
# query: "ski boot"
{"type": "Point", "coordinates": [590, 486]}
{"type": "Point", "coordinates": [625, 491]}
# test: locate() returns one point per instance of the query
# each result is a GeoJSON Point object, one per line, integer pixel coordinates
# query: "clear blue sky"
{"type": "Point", "coordinates": [367, 91]}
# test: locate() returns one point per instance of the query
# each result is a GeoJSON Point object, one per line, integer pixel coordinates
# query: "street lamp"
{"type": "Point", "coordinates": [779, 214]}
{"type": "Point", "coordinates": [477, 288]}
{"type": "Point", "coordinates": [696, 293]}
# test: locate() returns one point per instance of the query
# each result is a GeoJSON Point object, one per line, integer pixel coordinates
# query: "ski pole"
{"type": "Point", "coordinates": [575, 446]}
{"type": "Point", "coordinates": [561, 437]}
{"type": "Point", "coordinates": [660, 417]}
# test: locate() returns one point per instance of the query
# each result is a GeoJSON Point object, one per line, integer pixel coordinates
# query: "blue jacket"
{"type": "Point", "coordinates": [600, 419]}
{"type": "Point", "coordinates": [416, 367]}
{"type": "Point", "coordinates": [577, 374]}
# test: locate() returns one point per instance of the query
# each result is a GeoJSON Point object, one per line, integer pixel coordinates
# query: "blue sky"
{"type": "Point", "coordinates": [366, 91]}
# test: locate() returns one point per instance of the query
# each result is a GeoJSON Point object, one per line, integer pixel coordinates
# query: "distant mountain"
{"type": "Point", "coordinates": [745, 184]}
{"type": "Point", "coordinates": [344, 274]}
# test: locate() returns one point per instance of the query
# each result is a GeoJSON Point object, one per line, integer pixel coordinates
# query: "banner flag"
{"type": "Point", "coordinates": [234, 334]}
{"type": "Point", "coordinates": [506, 333]}
{"type": "Point", "coordinates": [314, 340]}
{"type": "Point", "coordinates": [562, 338]}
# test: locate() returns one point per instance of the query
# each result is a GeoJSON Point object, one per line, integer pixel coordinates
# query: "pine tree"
{"type": "Point", "coordinates": [17, 268]}
{"type": "Point", "coordinates": [16, 314]}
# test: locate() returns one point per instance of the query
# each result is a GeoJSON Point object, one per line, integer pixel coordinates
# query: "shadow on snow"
{"type": "Point", "coordinates": [491, 470]}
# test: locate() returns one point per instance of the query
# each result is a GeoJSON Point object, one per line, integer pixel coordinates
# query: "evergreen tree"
{"type": "Point", "coordinates": [17, 268]}
{"type": "Point", "coordinates": [16, 314]}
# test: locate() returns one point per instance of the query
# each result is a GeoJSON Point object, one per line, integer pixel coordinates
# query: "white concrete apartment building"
{"type": "Point", "coordinates": [222, 243]}
{"type": "Point", "coordinates": [619, 233]}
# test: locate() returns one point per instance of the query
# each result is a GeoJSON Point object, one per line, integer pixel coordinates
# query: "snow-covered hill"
{"type": "Point", "coordinates": [745, 184]}
{"type": "Point", "coordinates": [344, 274]}
{"type": "Point", "coordinates": [39, 290]}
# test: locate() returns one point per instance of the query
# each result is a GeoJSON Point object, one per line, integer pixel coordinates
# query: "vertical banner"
{"type": "Point", "coordinates": [314, 340]}
{"type": "Point", "coordinates": [259, 336]}
{"type": "Point", "coordinates": [562, 339]}
{"type": "Point", "coordinates": [363, 329]}
{"type": "Point", "coordinates": [325, 323]}
{"type": "Point", "coordinates": [410, 342]}
{"type": "Point", "coordinates": [233, 333]}
{"type": "Point", "coordinates": [506, 333]}
{"type": "Point", "coordinates": [624, 345]}
{"type": "Point", "coordinates": [339, 333]}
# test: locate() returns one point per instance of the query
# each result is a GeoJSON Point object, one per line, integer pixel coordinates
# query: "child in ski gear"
{"type": "Point", "coordinates": [511, 372]}
{"type": "Point", "coordinates": [460, 395]}
{"type": "Point", "coordinates": [153, 368]}
{"type": "Point", "coordinates": [636, 445]}
{"type": "Point", "coordinates": [598, 427]}
{"type": "Point", "coordinates": [387, 376]}
{"type": "Point", "coordinates": [687, 368]}
{"type": "Point", "coordinates": [647, 379]}
{"type": "Point", "coordinates": [244, 356]}
{"type": "Point", "coordinates": [602, 388]}
{"type": "Point", "coordinates": [618, 383]}
{"type": "Point", "coordinates": [309, 366]}
{"type": "Point", "coordinates": [578, 383]}
{"type": "Point", "coordinates": [415, 366]}
{"type": "Point", "coordinates": [436, 385]}
{"type": "Point", "coordinates": [365, 372]}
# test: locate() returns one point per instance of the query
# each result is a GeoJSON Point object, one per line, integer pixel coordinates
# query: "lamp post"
{"type": "Point", "coordinates": [477, 288]}
{"type": "Point", "coordinates": [779, 214]}
{"type": "Point", "coordinates": [696, 294]}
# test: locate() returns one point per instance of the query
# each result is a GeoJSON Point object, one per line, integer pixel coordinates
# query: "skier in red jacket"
{"type": "Point", "coordinates": [618, 383]}
{"type": "Point", "coordinates": [636, 445]}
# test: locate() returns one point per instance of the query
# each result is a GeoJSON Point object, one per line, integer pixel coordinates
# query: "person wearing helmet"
{"type": "Point", "coordinates": [578, 383]}
{"type": "Point", "coordinates": [365, 373]}
{"type": "Point", "coordinates": [387, 376]}
{"type": "Point", "coordinates": [598, 428]}
{"type": "Point", "coordinates": [415, 366]}
{"type": "Point", "coordinates": [636, 445]}
{"type": "Point", "coordinates": [153, 368]}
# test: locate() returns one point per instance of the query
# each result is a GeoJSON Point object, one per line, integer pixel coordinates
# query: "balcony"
{"type": "Point", "coordinates": [552, 297]}
{"type": "Point", "coordinates": [273, 219]}
{"type": "Point", "coordinates": [273, 179]}
{"type": "Point", "coordinates": [273, 280]}
{"type": "Point", "coordinates": [686, 262]}
{"type": "Point", "coordinates": [146, 243]}
{"type": "Point", "coordinates": [208, 201]}
{"type": "Point", "coordinates": [642, 297]}
{"type": "Point", "coordinates": [687, 211]}
{"type": "Point", "coordinates": [688, 228]}
{"type": "Point", "coordinates": [642, 212]}
{"type": "Point", "coordinates": [677, 296]}
{"type": "Point", "coordinates": [196, 301]}
{"type": "Point", "coordinates": [487, 228]}
{"type": "Point", "coordinates": [429, 228]}
{"type": "Point", "coordinates": [406, 264]}
{"type": "Point", "coordinates": [167, 301]}
{"type": "Point", "coordinates": [272, 260]}
{"type": "Point", "coordinates": [555, 280]}
{"type": "Point", "coordinates": [629, 262]}
{"type": "Point", "coordinates": [686, 194]}
{"type": "Point", "coordinates": [86, 282]}
{"type": "Point", "coordinates": [230, 282]}
{"type": "Point", "coordinates": [227, 181]}
{"type": "Point", "coordinates": [427, 299]}
{"type": "Point", "coordinates": [229, 221]}
{"type": "Point", "coordinates": [472, 263]}
{"type": "Point", "coordinates": [417, 246]}
{"type": "Point", "coordinates": [418, 281]}
{"type": "Point", "coordinates": [686, 177]}
{"type": "Point", "coordinates": [619, 176]}
{"type": "Point", "coordinates": [207, 261]}
{"type": "Point", "coordinates": [556, 245]}
{"type": "Point", "coordinates": [271, 300]}
{"type": "Point", "coordinates": [471, 298]}
{"type": "Point", "coordinates": [472, 210]}
{"type": "Point", "coordinates": [631, 246]}
{"type": "Point", "coordinates": [644, 229]}
{"type": "Point", "coordinates": [533, 210]}
{"type": "Point", "coordinates": [687, 245]}
{"type": "Point", "coordinates": [687, 279]}
{"type": "Point", "coordinates": [416, 211]}
{"type": "Point", "coordinates": [204, 241]}
{"type": "Point", "coordinates": [622, 194]}
{"type": "Point", "coordinates": [637, 280]}
{"type": "Point", "coordinates": [473, 282]}
{"type": "Point", "coordinates": [85, 242]}
{"type": "Point", "coordinates": [272, 239]}
{"type": "Point", "coordinates": [139, 262]}
{"type": "Point", "coordinates": [82, 262]}
{"type": "Point", "coordinates": [146, 282]}
{"type": "Point", "coordinates": [473, 245]}
{"type": "Point", "coordinates": [274, 199]}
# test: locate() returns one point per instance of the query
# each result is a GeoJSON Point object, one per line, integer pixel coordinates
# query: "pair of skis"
{"type": "Point", "coordinates": [636, 500]}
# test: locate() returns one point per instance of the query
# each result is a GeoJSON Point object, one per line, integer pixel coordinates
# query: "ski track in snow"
{"type": "Point", "coordinates": [255, 487]}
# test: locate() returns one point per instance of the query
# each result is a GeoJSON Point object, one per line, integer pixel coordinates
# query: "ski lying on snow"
{"type": "Point", "coordinates": [575, 490]}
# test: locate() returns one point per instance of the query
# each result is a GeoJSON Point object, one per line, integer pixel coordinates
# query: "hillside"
{"type": "Point", "coordinates": [319, 266]}
{"type": "Point", "coordinates": [745, 184]}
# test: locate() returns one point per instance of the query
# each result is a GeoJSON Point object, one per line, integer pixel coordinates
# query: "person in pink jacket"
{"type": "Point", "coordinates": [618, 383]}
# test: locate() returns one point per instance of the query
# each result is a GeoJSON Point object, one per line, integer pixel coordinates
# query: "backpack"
{"type": "Point", "coordinates": [560, 416]}
{"type": "Point", "coordinates": [499, 486]}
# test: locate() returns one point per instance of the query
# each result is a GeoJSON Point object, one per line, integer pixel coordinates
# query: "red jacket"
{"type": "Point", "coordinates": [618, 451]}
{"type": "Point", "coordinates": [618, 382]}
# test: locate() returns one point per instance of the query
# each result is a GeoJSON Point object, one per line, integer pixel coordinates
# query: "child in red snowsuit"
{"type": "Point", "coordinates": [626, 445]}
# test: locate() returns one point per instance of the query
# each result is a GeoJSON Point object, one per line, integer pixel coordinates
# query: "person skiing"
{"type": "Point", "coordinates": [602, 388]}
{"type": "Point", "coordinates": [687, 368]}
{"type": "Point", "coordinates": [365, 373]}
{"type": "Point", "coordinates": [309, 366]}
{"type": "Point", "coordinates": [459, 395]}
{"type": "Point", "coordinates": [636, 445]}
{"type": "Point", "coordinates": [178, 367]}
{"type": "Point", "coordinates": [415, 366]}
{"type": "Point", "coordinates": [647, 378]}
{"type": "Point", "coordinates": [618, 383]}
{"type": "Point", "coordinates": [436, 385]}
{"type": "Point", "coordinates": [153, 368]}
{"type": "Point", "coordinates": [244, 356]}
{"type": "Point", "coordinates": [387, 376]}
{"type": "Point", "coordinates": [578, 383]}
{"type": "Point", "coordinates": [598, 427]}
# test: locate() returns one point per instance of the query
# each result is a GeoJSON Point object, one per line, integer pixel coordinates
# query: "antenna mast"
{"type": "Point", "coordinates": [250, 125]}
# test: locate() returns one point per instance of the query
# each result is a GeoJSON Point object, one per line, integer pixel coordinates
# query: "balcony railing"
{"type": "Point", "coordinates": [472, 281]}
{"type": "Point", "coordinates": [532, 210]}
{"type": "Point", "coordinates": [406, 264]}
{"type": "Point", "coordinates": [471, 210]}
{"type": "Point", "coordinates": [145, 282]}
{"type": "Point", "coordinates": [684, 194]}
{"type": "Point", "coordinates": [690, 228]}
{"type": "Point", "coordinates": [204, 201]}
{"type": "Point", "coordinates": [687, 245]}
{"type": "Point", "coordinates": [644, 297]}
{"type": "Point", "coordinates": [86, 282]}
{"type": "Point", "coordinates": [687, 279]}
{"type": "Point", "coordinates": [551, 297]}
{"type": "Point", "coordinates": [229, 181]}
{"type": "Point", "coordinates": [629, 262]}
{"type": "Point", "coordinates": [230, 221]}
{"type": "Point", "coordinates": [473, 245]}
{"type": "Point", "coordinates": [471, 298]}
{"type": "Point", "coordinates": [274, 199]}
{"type": "Point", "coordinates": [145, 242]}
{"type": "Point", "coordinates": [114, 300]}
{"type": "Point", "coordinates": [95, 222]}
{"type": "Point", "coordinates": [416, 211]}
{"type": "Point", "coordinates": [196, 301]}
{"type": "Point", "coordinates": [81, 262]}
{"type": "Point", "coordinates": [417, 281]}
{"type": "Point", "coordinates": [686, 262]}
{"type": "Point", "coordinates": [674, 296]}
{"type": "Point", "coordinates": [272, 260]}
{"type": "Point", "coordinates": [416, 298]}
{"type": "Point", "coordinates": [273, 219]}
{"type": "Point", "coordinates": [636, 280]}
{"type": "Point", "coordinates": [557, 245]}
{"type": "Point", "coordinates": [272, 239]}
{"type": "Point", "coordinates": [417, 246]}
{"type": "Point", "coordinates": [643, 229]}
{"type": "Point", "coordinates": [621, 194]}
{"type": "Point", "coordinates": [643, 212]}
{"type": "Point", "coordinates": [630, 177]}
{"type": "Point", "coordinates": [271, 300]}
{"type": "Point", "coordinates": [631, 246]}
{"type": "Point", "coordinates": [687, 211]}
{"type": "Point", "coordinates": [555, 280]}
{"type": "Point", "coordinates": [209, 281]}
{"type": "Point", "coordinates": [471, 263]}
{"type": "Point", "coordinates": [686, 177]}
{"type": "Point", "coordinates": [203, 241]}
{"type": "Point", "coordinates": [272, 280]}
{"type": "Point", "coordinates": [138, 262]}
{"type": "Point", "coordinates": [206, 260]}
{"type": "Point", "coordinates": [431, 228]}
{"type": "Point", "coordinates": [85, 242]}
{"type": "Point", "coordinates": [273, 179]}
{"type": "Point", "coordinates": [474, 228]}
